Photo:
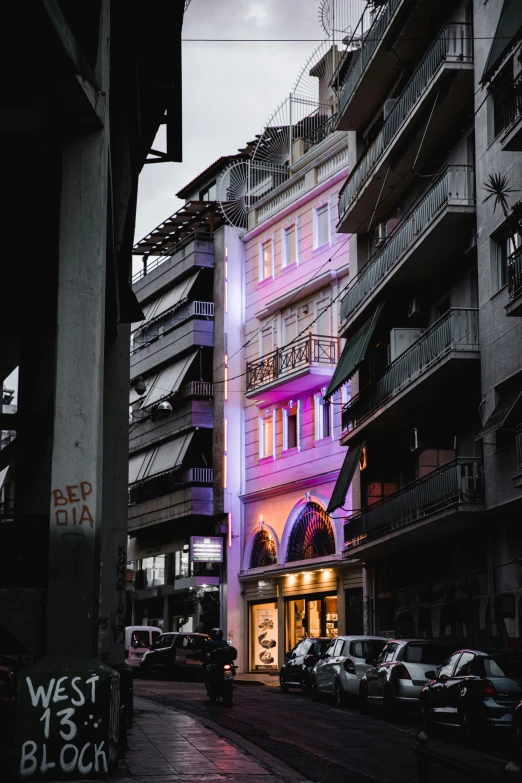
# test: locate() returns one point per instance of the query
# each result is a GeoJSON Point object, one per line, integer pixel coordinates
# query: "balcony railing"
{"type": "Point", "coordinates": [371, 41]}
{"type": "Point", "coordinates": [457, 330]}
{"type": "Point", "coordinates": [454, 44]}
{"type": "Point", "coordinates": [320, 132]}
{"type": "Point", "coordinates": [7, 511]}
{"type": "Point", "coordinates": [150, 266]}
{"type": "Point", "coordinates": [514, 266]}
{"type": "Point", "coordinates": [312, 349]}
{"type": "Point", "coordinates": [460, 481]}
{"type": "Point", "coordinates": [456, 185]}
{"type": "Point", "coordinates": [197, 389]}
{"type": "Point", "coordinates": [169, 320]}
{"type": "Point", "coordinates": [198, 476]}
{"type": "Point", "coordinates": [508, 106]}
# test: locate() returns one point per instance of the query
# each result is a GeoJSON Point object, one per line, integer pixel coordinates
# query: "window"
{"type": "Point", "coordinates": [267, 340]}
{"type": "Point", "coordinates": [266, 260]}
{"type": "Point", "coordinates": [290, 427]}
{"type": "Point", "coordinates": [289, 328]}
{"type": "Point", "coordinates": [431, 653]}
{"type": "Point", "coordinates": [366, 649]}
{"type": "Point", "coordinates": [266, 437]}
{"type": "Point", "coordinates": [289, 245]}
{"type": "Point", "coordinates": [209, 193]}
{"type": "Point", "coordinates": [323, 417]}
{"type": "Point", "coordinates": [505, 246]}
{"type": "Point", "coordinates": [153, 571]}
{"type": "Point", "coordinates": [446, 669]}
{"type": "Point", "coordinates": [430, 459]}
{"type": "Point", "coordinates": [390, 652]}
{"type": "Point", "coordinates": [322, 325]}
{"type": "Point", "coordinates": [330, 650]}
{"type": "Point", "coordinates": [321, 232]}
{"type": "Point", "coordinates": [507, 665]}
{"type": "Point", "coordinates": [305, 647]}
{"type": "Point", "coordinates": [181, 565]}
{"type": "Point", "coordinates": [465, 665]}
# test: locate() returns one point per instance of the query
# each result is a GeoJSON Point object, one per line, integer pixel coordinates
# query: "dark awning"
{"type": "Point", "coordinates": [501, 414]}
{"type": "Point", "coordinates": [345, 477]}
{"type": "Point", "coordinates": [508, 32]}
{"type": "Point", "coordinates": [354, 352]}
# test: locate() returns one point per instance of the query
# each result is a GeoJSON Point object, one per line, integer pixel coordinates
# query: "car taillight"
{"type": "Point", "coordinates": [488, 689]}
{"type": "Point", "coordinates": [349, 666]}
{"type": "Point", "coordinates": [402, 672]}
{"type": "Point", "coordinates": [227, 666]}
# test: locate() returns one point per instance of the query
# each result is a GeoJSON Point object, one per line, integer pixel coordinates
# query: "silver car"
{"type": "Point", "coordinates": [345, 661]}
{"type": "Point", "coordinates": [399, 674]}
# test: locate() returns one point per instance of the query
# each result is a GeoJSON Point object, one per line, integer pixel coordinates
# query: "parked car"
{"type": "Point", "coordinates": [173, 653]}
{"type": "Point", "coordinates": [297, 669]}
{"type": "Point", "coordinates": [474, 689]}
{"type": "Point", "coordinates": [400, 673]}
{"type": "Point", "coordinates": [139, 639]}
{"type": "Point", "coordinates": [346, 660]}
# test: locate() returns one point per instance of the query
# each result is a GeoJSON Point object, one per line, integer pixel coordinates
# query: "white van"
{"type": "Point", "coordinates": [139, 639]}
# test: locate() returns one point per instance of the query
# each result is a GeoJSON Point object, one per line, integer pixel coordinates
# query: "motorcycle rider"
{"type": "Point", "coordinates": [215, 642]}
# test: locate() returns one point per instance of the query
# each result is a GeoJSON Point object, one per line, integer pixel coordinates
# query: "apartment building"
{"type": "Point", "coordinates": [177, 484]}
{"type": "Point", "coordinates": [433, 342]}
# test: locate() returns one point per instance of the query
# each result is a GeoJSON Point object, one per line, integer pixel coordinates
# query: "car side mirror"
{"type": "Point", "coordinates": [288, 655]}
{"type": "Point", "coordinates": [430, 675]}
{"type": "Point", "coordinates": [370, 661]}
{"type": "Point", "coordinates": [443, 678]}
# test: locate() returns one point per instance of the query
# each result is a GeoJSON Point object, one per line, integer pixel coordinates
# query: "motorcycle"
{"type": "Point", "coordinates": [219, 674]}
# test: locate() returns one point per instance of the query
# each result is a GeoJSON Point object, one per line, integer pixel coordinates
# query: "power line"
{"type": "Point", "coordinates": [320, 40]}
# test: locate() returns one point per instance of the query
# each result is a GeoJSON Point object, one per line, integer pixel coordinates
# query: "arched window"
{"type": "Point", "coordinates": [312, 534]}
{"type": "Point", "coordinates": [263, 550]}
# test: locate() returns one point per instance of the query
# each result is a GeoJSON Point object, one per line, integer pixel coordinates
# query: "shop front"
{"type": "Point", "coordinates": [314, 615]}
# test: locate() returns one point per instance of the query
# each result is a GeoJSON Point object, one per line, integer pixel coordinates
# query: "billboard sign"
{"type": "Point", "coordinates": [206, 549]}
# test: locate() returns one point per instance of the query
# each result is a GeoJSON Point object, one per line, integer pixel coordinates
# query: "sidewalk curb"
{"type": "Point", "coordinates": [274, 765]}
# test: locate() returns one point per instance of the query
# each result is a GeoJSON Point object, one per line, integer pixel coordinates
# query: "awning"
{"type": "Point", "coordinates": [168, 456]}
{"type": "Point", "coordinates": [354, 352]}
{"type": "Point", "coordinates": [169, 380]}
{"type": "Point", "coordinates": [345, 477]}
{"type": "Point", "coordinates": [3, 474]}
{"type": "Point", "coordinates": [501, 414]}
{"type": "Point", "coordinates": [507, 34]}
{"type": "Point", "coordinates": [172, 298]}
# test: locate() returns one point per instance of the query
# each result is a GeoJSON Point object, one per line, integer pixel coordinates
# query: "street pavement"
{"type": "Point", "coordinates": [314, 741]}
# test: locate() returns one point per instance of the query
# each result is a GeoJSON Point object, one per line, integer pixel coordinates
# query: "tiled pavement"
{"type": "Point", "coordinates": [166, 746]}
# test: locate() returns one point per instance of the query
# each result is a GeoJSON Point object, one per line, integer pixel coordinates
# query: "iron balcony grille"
{"type": "Point", "coordinates": [508, 106]}
{"type": "Point", "coordinates": [197, 389]}
{"type": "Point", "coordinates": [149, 266]}
{"type": "Point", "coordinates": [460, 481]}
{"type": "Point", "coordinates": [457, 330]}
{"type": "Point", "coordinates": [514, 266]}
{"type": "Point", "coordinates": [455, 186]}
{"type": "Point", "coordinates": [454, 44]}
{"type": "Point", "coordinates": [370, 43]}
{"type": "Point", "coordinates": [320, 132]}
{"type": "Point", "coordinates": [311, 349]}
{"type": "Point", "coordinates": [199, 476]}
{"type": "Point", "coordinates": [169, 320]}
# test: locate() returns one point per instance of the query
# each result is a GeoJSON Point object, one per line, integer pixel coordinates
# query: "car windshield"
{"type": "Point", "coordinates": [140, 639]}
{"type": "Point", "coordinates": [433, 654]}
{"type": "Point", "coordinates": [320, 647]}
{"type": "Point", "coordinates": [367, 648]}
{"type": "Point", "coordinates": [509, 666]}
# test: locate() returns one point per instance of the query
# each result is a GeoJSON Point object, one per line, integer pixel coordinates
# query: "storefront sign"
{"type": "Point", "coordinates": [265, 638]}
{"type": "Point", "coordinates": [206, 549]}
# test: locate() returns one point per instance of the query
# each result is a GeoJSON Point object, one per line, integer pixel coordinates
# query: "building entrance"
{"type": "Point", "coordinates": [310, 616]}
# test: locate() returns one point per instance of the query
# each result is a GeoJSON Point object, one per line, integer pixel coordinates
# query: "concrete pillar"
{"type": "Point", "coordinates": [281, 625]}
{"type": "Point", "coordinates": [341, 605]}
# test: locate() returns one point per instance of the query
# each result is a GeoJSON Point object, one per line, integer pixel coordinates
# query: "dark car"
{"type": "Point", "coordinates": [474, 689]}
{"type": "Point", "coordinates": [517, 729]}
{"type": "Point", "coordinates": [172, 653]}
{"type": "Point", "coordinates": [297, 669]}
{"type": "Point", "coordinates": [400, 673]}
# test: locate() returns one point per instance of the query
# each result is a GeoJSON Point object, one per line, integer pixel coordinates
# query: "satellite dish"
{"type": "Point", "coordinates": [232, 193]}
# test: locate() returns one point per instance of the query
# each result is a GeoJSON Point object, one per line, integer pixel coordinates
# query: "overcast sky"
{"type": "Point", "coordinates": [229, 89]}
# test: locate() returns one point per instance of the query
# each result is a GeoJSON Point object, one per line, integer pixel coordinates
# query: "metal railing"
{"type": "Point", "coordinates": [197, 389]}
{"type": "Point", "coordinates": [202, 308]}
{"type": "Point", "coordinates": [7, 511]}
{"type": "Point", "coordinates": [371, 41]}
{"type": "Point", "coordinates": [455, 186]}
{"type": "Point", "coordinates": [458, 481]}
{"type": "Point", "coordinates": [514, 268]}
{"type": "Point", "coordinates": [149, 266]}
{"type": "Point", "coordinates": [198, 476]}
{"type": "Point", "coordinates": [457, 330]}
{"type": "Point", "coordinates": [453, 44]}
{"type": "Point", "coordinates": [320, 132]}
{"type": "Point", "coordinates": [508, 106]}
{"type": "Point", "coordinates": [163, 324]}
{"type": "Point", "coordinates": [311, 349]}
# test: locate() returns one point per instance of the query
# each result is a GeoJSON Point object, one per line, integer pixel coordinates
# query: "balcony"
{"type": "Point", "coordinates": [189, 412]}
{"type": "Point", "coordinates": [514, 267]}
{"type": "Point", "coordinates": [196, 251]}
{"type": "Point", "coordinates": [426, 238]}
{"type": "Point", "coordinates": [517, 478]}
{"type": "Point", "coordinates": [290, 372]}
{"type": "Point", "coordinates": [194, 499]}
{"type": "Point", "coordinates": [434, 505]}
{"type": "Point", "coordinates": [443, 350]}
{"type": "Point", "coordinates": [430, 102]}
{"type": "Point", "coordinates": [508, 116]}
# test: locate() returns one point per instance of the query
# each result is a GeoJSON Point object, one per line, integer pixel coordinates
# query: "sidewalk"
{"type": "Point", "coordinates": [167, 746]}
{"type": "Point", "coordinates": [257, 678]}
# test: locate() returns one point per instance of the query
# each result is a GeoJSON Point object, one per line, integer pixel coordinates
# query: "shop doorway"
{"type": "Point", "coordinates": [310, 616]}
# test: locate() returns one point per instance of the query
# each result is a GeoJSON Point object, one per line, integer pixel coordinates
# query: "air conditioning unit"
{"type": "Point", "coordinates": [414, 308]}
{"type": "Point", "coordinates": [380, 234]}
{"type": "Point", "coordinates": [388, 106]}
{"type": "Point", "coordinates": [400, 341]}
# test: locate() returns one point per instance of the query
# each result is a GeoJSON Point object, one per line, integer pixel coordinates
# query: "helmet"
{"type": "Point", "coordinates": [216, 634]}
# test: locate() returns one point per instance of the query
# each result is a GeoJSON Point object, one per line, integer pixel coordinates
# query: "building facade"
{"type": "Point", "coordinates": [433, 342]}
